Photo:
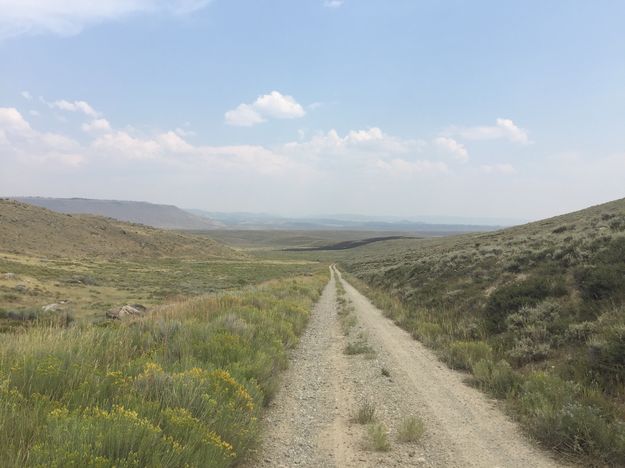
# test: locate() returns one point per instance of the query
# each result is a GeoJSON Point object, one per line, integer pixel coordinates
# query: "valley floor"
{"type": "Point", "coordinates": [310, 422]}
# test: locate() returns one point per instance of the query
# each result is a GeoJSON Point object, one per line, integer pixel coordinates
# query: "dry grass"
{"type": "Point", "coordinates": [365, 413]}
{"type": "Point", "coordinates": [411, 429]}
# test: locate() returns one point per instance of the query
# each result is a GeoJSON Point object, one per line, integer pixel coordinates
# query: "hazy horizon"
{"type": "Point", "coordinates": [479, 110]}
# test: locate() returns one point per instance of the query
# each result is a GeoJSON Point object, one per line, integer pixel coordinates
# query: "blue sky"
{"type": "Point", "coordinates": [468, 108]}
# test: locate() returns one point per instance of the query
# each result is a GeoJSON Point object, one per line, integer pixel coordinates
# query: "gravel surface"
{"type": "Point", "coordinates": [310, 422]}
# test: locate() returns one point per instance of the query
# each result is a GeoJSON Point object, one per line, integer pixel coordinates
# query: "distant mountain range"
{"type": "Point", "coordinates": [172, 217]}
{"type": "Point", "coordinates": [262, 221]}
{"type": "Point", "coordinates": [149, 214]}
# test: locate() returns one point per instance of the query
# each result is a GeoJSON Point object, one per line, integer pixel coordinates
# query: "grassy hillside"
{"type": "Point", "coordinates": [149, 214]}
{"type": "Point", "coordinates": [30, 229]}
{"type": "Point", "coordinates": [536, 313]}
{"type": "Point", "coordinates": [91, 264]}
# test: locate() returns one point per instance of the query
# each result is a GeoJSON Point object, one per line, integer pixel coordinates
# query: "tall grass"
{"type": "Point", "coordinates": [183, 386]}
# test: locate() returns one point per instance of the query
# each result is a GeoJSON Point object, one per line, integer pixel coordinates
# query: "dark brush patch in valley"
{"type": "Point", "coordinates": [350, 244]}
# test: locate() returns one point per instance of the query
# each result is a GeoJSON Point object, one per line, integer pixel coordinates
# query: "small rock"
{"type": "Point", "coordinates": [21, 287]}
{"type": "Point", "coordinates": [134, 310]}
{"type": "Point", "coordinates": [52, 307]}
{"type": "Point", "coordinates": [9, 276]}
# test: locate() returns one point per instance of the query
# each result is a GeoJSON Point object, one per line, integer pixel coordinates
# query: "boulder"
{"type": "Point", "coordinates": [128, 310]}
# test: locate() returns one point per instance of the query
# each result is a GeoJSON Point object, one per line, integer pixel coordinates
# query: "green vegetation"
{"type": "Point", "coordinates": [377, 438]}
{"type": "Point", "coordinates": [359, 346]}
{"type": "Point", "coordinates": [345, 310]}
{"type": "Point", "coordinates": [535, 313]}
{"type": "Point", "coordinates": [179, 387]}
{"type": "Point", "coordinates": [411, 429]}
{"type": "Point", "coordinates": [182, 385]}
{"type": "Point", "coordinates": [92, 286]}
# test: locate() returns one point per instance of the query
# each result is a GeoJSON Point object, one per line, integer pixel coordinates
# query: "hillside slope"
{"type": "Point", "coordinates": [30, 229]}
{"type": "Point", "coordinates": [150, 214]}
{"type": "Point", "coordinates": [535, 312]}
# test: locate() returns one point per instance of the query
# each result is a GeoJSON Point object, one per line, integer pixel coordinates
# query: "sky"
{"type": "Point", "coordinates": [473, 108]}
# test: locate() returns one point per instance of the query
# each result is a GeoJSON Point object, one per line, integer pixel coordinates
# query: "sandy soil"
{"type": "Point", "coordinates": [310, 422]}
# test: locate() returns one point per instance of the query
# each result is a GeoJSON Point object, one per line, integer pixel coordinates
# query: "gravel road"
{"type": "Point", "coordinates": [310, 422]}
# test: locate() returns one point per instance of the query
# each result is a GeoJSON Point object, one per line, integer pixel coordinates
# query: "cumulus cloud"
{"type": "Point", "coordinates": [19, 141]}
{"type": "Point", "coordinates": [503, 129]}
{"type": "Point", "coordinates": [361, 151]}
{"type": "Point", "coordinates": [243, 116]}
{"type": "Point", "coordinates": [69, 17]}
{"type": "Point", "coordinates": [451, 146]}
{"type": "Point", "coordinates": [74, 106]}
{"type": "Point", "coordinates": [357, 142]}
{"type": "Point", "coordinates": [273, 105]}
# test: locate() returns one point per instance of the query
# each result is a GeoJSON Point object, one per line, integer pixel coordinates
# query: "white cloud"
{"type": "Point", "coordinates": [26, 95]}
{"type": "Point", "coordinates": [357, 142]}
{"type": "Point", "coordinates": [19, 141]}
{"type": "Point", "coordinates": [505, 169]}
{"type": "Point", "coordinates": [12, 121]}
{"type": "Point", "coordinates": [69, 17]}
{"type": "Point", "coordinates": [279, 106]}
{"type": "Point", "coordinates": [243, 116]}
{"type": "Point", "coordinates": [97, 125]}
{"type": "Point", "coordinates": [451, 146]}
{"type": "Point", "coordinates": [184, 132]}
{"type": "Point", "coordinates": [503, 129]}
{"type": "Point", "coordinates": [273, 105]}
{"type": "Point", "coordinates": [75, 106]}
{"type": "Point", "coordinates": [333, 3]}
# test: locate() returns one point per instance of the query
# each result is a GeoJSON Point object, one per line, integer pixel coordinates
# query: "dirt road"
{"type": "Point", "coordinates": [310, 422]}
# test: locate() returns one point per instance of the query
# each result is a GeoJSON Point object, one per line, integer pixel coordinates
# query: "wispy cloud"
{"type": "Point", "coordinates": [75, 106]}
{"type": "Point", "coordinates": [503, 129]}
{"type": "Point", "coordinates": [273, 105]}
{"type": "Point", "coordinates": [451, 146]}
{"type": "Point", "coordinates": [70, 17]}
{"type": "Point", "coordinates": [96, 125]}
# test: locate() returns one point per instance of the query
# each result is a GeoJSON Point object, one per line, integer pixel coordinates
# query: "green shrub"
{"type": "Point", "coordinates": [511, 298]}
{"type": "Point", "coordinates": [605, 277]}
{"type": "Point", "coordinates": [531, 332]}
{"type": "Point", "coordinates": [378, 438]}
{"type": "Point", "coordinates": [498, 379]}
{"type": "Point", "coordinates": [463, 354]}
{"type": "Point", "coordinates": [557, 413]}
{"type": "Point", "coordinates": [606, 355]}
